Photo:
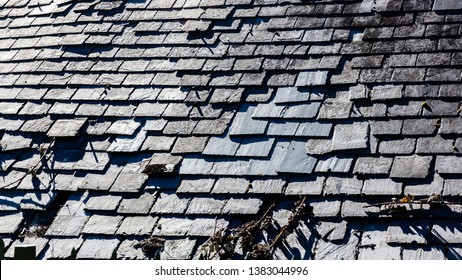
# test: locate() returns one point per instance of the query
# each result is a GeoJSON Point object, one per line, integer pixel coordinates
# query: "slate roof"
{"type": "Point", "coordinates": [176, 118]}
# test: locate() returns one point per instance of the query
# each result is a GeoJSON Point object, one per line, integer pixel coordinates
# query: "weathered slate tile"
{"type": "Point", "coordinates": [296, 160]}
{"type": "Point", "coordinates": [127, 143]}
{"type": "Point", "coordinates": [98, 181]}
{"type": "Point", "coordinates": [386, 127]}
{"type": "Point", "coordinates": [255, 147]}
{"type": "Point", "coordinates": [66, 128]}
{"type": "Point", "coordinates": [334, 164]}
{"type": "Point", "coordinates": [230, 186]}
{"type": "Point", "coordinates": [338, 185]}
{"type": "Point", "coordinates": [386, 92]}
{"type": "Point", "coordinates": [447, 232]}
{"type": "Point", "coordinates": [333, 108]}
{"type": "Point", "coordinates": [191, 144]}
{"type": "Point", "coordinates": [452, 187]}
{"type": "Point", "coordinates": [173, 226]}
{"type": "Point", "coordinates": [450, 126]}
{"type": "Point", "coordinates": [420, 164]}
{"type": "Point", "coordinates": [382, 187]}
{"type": "Point", "coordinates": [425, 253]}
{"type": "Point", "coordinates": [400, 146]}
{"type": "Point", "coordinates": [67, 226]}
{"type": "Point", "coordinates": [99, 249]}
{"type": "Point", "coordinates": [374, 246]}
{"type": "Point", "coordinates": [138, 205]}
{"type": "Point", "coordinates": [244, 124]}
{"type": "Point", "coordinates": [179, 249]}
{"type": "Point", "coordinates": [61, 249]}
{"type": "Point", "coordinates": [307, 186]}
{"type": "Point", "coordinates": [373, 165]}
{"type": "Point", "coordinates": [344, 250]}
{"type": "Point", "coordinates": [325, 208]}
{"type": "Point", "coordinates": [242, 206]}
{"type": "Point", "coordinates": [312, 78]}
{"type": "Point", "coordinates": [408, 232]}
{"type": "Point", "coordinates": [318, 146]}
{"type": "Point", "coordinates": [207, 226]}
{"type": "Point", "coordinates": [350, 136]}
{"type": "Point", "coordinates": [170, 203]}
{"type": "Point", "coordinates": [332, 231]}
{"type": "Point", "coordinates": [129, 182]}
{"type": "Point", "coordinates": [221, 146]}
{"type": "Point", "coordinates": [102, 224]}
{"type": "Point", "coordinates": [448, 164]}
{"type": "Point", "coordinates": [196, 186]}
{"type": "Point", "coordinates": [10, 223]}
{"type": "Point", "coordinates": [103, 202]}
{"type": "Point", "coordinates": [158, 143]}
{"type": "Point", "coordinates": [137, 226]}
{"type": "Point", "coordinates": [425, 189]}
{"type": "Point", "coordinates": [10, 142]}
{"type": "Point", "coordinates": [129, 250]}
{"type": "Point", "coordinates": [205, 205]}
{"type": "Point", "coordinates": [266, 186]}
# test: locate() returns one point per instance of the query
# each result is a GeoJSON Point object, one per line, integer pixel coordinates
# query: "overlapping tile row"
{"type": "Point", "coordinates": [125, 119]}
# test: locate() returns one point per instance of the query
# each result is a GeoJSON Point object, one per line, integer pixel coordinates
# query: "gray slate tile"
{"type": "Point", "coordinates": [338, 185]}
{"type": "Point", "coordinates": [405, 232]}
{"type": "Point", "coordinates": [334, 164]}
{"type": "Point", "coordinates": [230, 186]}
{"type": "Point", "coordinates": [373, 165]}
{"type": "Point", "coordinates": [61, 248]}
{"type": "Point", "coordinates": [296, 160]}
{"type": "Point", "coordinates": [99, 249]}
{"type": "Point", "coordinates": [382, 187]}
{"type": "Point", "coordinates": [196, 186]}
{"type": "Point", "coordinates": [170, 203]}
{"type": "Point", "coordinates": [103, 202]}
{"type": "Point", "coordinates": [67, 226]}
{"type": "Point", "coordinates": [350, 136]}
{"type": "Point", "coordinates": [448, 164]}
{"type": "Point", "coordinates": [102, 224]}
{"type": "Point", "coordinates": [10, 223]}
{"type": "Point", "coordinates": [66, 128]}
{"type": "Point", "coordinates": [420, 167]}
{"type": "Point", "coordinates": [138, 205]}
{"type": "Point", "coordinates": [137, 225]}
{"type": "Point", "coordinates": [267, 186]}
{"type": "Point", "coordinates": [206, 206]}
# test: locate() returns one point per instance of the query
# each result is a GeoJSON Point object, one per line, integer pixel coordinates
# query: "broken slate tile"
{"type": "Point", "coordinates": [66, 128]}
{"type": "Point", "coordinates": [296, 160]}
{"type": "Point", "coordinates": [420, 167]}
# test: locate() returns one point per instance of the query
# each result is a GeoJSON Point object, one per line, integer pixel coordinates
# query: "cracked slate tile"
{"type": "Point", "coordinates": [266, 186]}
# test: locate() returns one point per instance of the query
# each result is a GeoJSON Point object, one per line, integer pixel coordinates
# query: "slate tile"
{"type": "Point", "coordinates": [129, 182]}
{"type": "Point", "coordinates": [381, 187]}
{"type": "Point", "coordinates": [425, 253]}
{"type": "Point", "coordinates": [411, 108]}
{"type": "Point", "coordinates": [230, 186]}
{"type": "Point", "coordinates": [60, 108]}
{"type": "Point", "coordinates": [170, 203]}
{"type": "Point", "coordinates": [103, 202]}
{"type": "Point", "coordinates": [33, 108]}
{"type": "Point", "coordinates": [31, 94]}
{"type": "Point", "coordinates": [334, 164]}
{"type": "Point", "coordinates": [189, 145]}
{"type": "Point", "coordinates": [338, 185]}
{"type": "Point", "coordinates": [373, 165]}
{"type": "Point", "coordinates": [350, 136]}
{"type": "Point", "coordinates": [242, 206]}
{"type": "Point", "coordinates": [138, 205]}
{"type": "Point", "coordinates": [280, 128]}
{"type": "Point", "coordinates": [255, 147]}
{"type": "Point", "coordinates": [179, 249]}
{"type": "Point", "coordinates": [425, 189]}
{"type": "Point", "coordinates": [61, 248]}
{"type": "Point", "coordinates": [312, 78]}
{"type": "Point", "coordinates": [452, 187]}
{"type": "Point", "coordinates": [221, 146]}
{"type": "Point", "coordinates": [267, 186]}
{"type": "Point", "coordinates": [356, 209]}
{"type": "Point", "coordinates": [158, 143]}
{"type": "Point", "coordinates": [421, 167]}
{"type": "Point", "coordinates": [205, 205]}
{"type": "Point", "coordinates": [308, 186]}
{"type": "Point", "coordinates": [91, 109]}
{"type": "Point", "coordinates": [173, 226]}
{"type": "Point", "coordinates": [434, 145]}
{"type": "Point", "coordinates": [419, 126]}
{"type": "Point", "coordinates": [66, 128]}
{"type": "Point", "coordinates": [318, 146]}
{"type": "Point", "coordinates": [137, 226]}
{"type": "Point", "coordinates": [441, 5]}
{"type": "Point", "coordinates": [102, 224]}
{"type": "Point", "coordinates": [405, 232]}
{"type": "Point", "coordinates": [387, 92]}
{"type": "Point", "coordinates": [67, 226]}
{"type": "Point", "coordinates": [448, 164]}
{"type": "Point", "coordinates": [207, 226]}
{"type": "Point", "coordinates": [38, 242]}
{"type": "Point", "coordinates": [326, 208]}
{"type": "Point", "coordinates": [401, 146]}
{"type": "Point", "coordinates": [332, 231]}
{"type": "Point", "coordinates": [296, 160]}
{"type": "Point", "coordinates": [11, 142]}
{"type": "Point", "coordinates": [99, 249]}
{"type": "Point", "coordinates": [374, 246]}
{"type": "Point", "coordinates": [450, 126]}
{"type": "Point", "coordinates": [10, 222]}
{"type": "Point", "coordinates": [128, 250]}
{"type": "Point", "coordinates": [179, 127]}
{"type": "Point", "coordinates": [128, 143]}
{"type": "Point", "coordinates": [196, 186]}
{"type": "Point", "coordinates": [99, 182]}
